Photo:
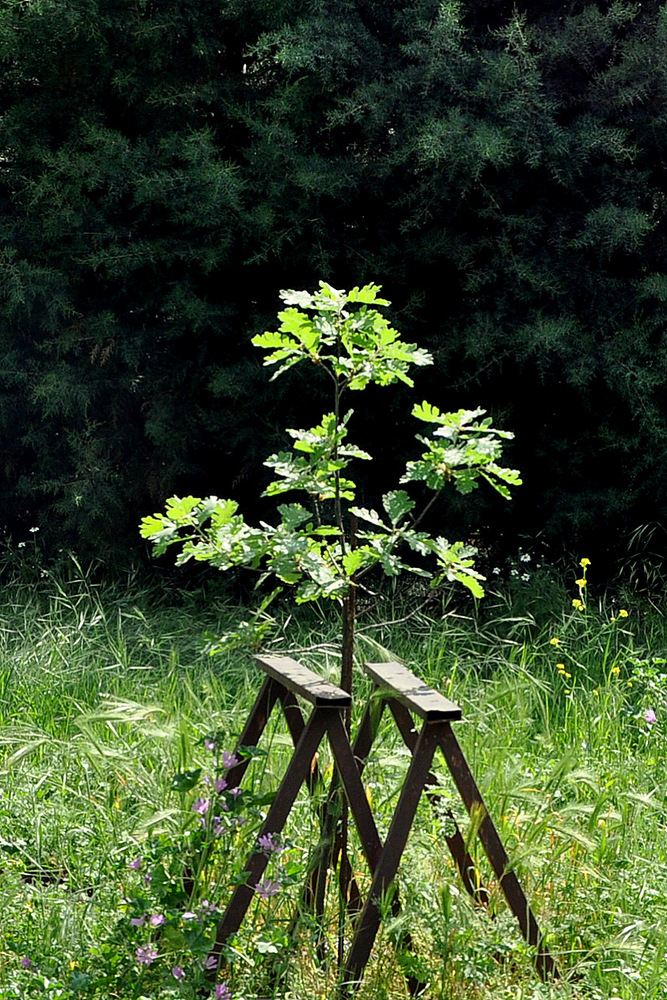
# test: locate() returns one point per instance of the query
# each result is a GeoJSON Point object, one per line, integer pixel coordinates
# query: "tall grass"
{"type": "Point", "coordinates": [106, 691]}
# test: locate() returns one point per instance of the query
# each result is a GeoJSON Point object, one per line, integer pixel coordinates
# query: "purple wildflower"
{"type": "Point", "coordinates": [138, 921]}
{"type": "Point", "coordinates": [146, 955]}
{"type": "Point", "coordinates": [26, 963]}
{"type": "Point", "coordinates": [201, 806]}
{"type": "Point", "coordinates": [220, 785]}
{"type": "Point", "coordinates": [267, 844]}
{"type": "Point", "coordinates": [157, 919]}
{"type": "Point", "coordinates": [189, 915]}
{"type": "Point", "coordinates": [229, 759]}
{"type": "Point", "coordinates": [235, 792]}
{"type": "Point", "coordinates": [267, 887]}
{"type": "Point", "coordinates": [177, 973]}
{"type": "Point", "coordinates": [136, 864]}
{"type": "Point", "coordinates": [207, 907]}
{"type": "Point", "coordinates": [210, 963]}
{"type": "Point", "coordinates": [650, 717]}
{"type": "Point", "coordinates": [148, 879]}
{"type": "Point", "coordinates": [210, 745]}
{"type": "Point", "coordinates": [222, 992]}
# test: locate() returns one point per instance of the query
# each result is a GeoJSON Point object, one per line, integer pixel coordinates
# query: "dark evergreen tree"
{"type": "Point", "coordinates": [167, 167]}
{"type": "Point", "coordinates": [122, 220]}
{"type": "Point", "coordinates": [503, 173]}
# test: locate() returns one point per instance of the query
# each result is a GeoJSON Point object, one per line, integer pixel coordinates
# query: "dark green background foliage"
{"type": "Point", "coordinates": [167, 165]}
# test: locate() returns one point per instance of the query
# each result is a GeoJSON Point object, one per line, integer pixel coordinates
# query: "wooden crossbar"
{"type": "Point", "coordinates": [407, 688]}
{"type": "Point", "coordinates": [302, 681]}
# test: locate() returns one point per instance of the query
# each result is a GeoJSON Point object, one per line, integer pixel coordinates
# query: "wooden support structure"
{"type": "Point", "coordinates": [405, 695]}
{"type": "Point", "coordinates": [286, 678]}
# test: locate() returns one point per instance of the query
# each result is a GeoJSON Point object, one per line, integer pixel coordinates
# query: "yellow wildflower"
{"type": "Point", "coordinates": [555, 641]}
{"type": "Point", "coordinates": [623, 613]}
{"type": "Point", "coordinates": [584, 563]}
{"type": "Point", "coordinates": [581, 583]}
{"type": "Point", "coordinates": [576, 603]}
{"type": "Point", "coordinates": [560, 666]}
{"type": "Point", "coordinates": [615, 671]}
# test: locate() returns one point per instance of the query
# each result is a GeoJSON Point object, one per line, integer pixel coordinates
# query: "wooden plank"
{"type": "Point", "coordinates": [412, 692]}
{"type": "Point", "coordinates": [302, 681]}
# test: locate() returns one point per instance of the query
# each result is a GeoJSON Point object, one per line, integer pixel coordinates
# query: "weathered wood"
{"type": "Point", "coordinates": [253, 729]}
{"type": "Point", "coordinates": [356, 795]}
{"type": "Point", "coordinates": [293, 779]}
{"type": "Point", "coordinates": [387, 864]}
{"type": "Point", "coordinates": [413, 692]}
{"type": "Point", "coordinates": [296, 725]}
{"type": "Point", "coordinates": [495, 852]}
{"type": "Point", "coordinates": [402, 692]}
{"type": "Point", "coordinates": [302, 681]}
{"type": "Point", "coordinates": [455, 842]}
{"type": "Point", "coordinates": [405, 690]}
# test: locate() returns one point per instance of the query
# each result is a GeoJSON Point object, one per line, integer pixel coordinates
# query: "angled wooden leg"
{"type": "Point", "coordinates": [356, 795]}
{"type": "Point", "coordinates": [467, 868]}
{"type": "Point", "coordinates": [296, 725]}
{"type": "Point", "coordinates": [350, 762]}
{"type": "Point", "coordinates": [387, 866]}
{"type": "Point", "coordinates": [253, 729]}
{"type": "Point", "coordinates": [295, 776]}
{"type": "Point", "coordinates": [327, 851]}
{"type": "Point", "coordinates": [495, 852]}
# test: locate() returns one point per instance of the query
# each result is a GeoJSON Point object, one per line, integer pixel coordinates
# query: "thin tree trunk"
{"type": "Point", "coordinates": [346, 682]}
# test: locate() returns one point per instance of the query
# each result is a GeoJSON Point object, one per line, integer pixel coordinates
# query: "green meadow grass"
{"type": "Point", "coordinates": [106, 691]}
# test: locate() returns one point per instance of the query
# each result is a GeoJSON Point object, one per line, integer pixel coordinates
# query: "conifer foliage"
{"type": "Point", "coordinates": [166, 167]}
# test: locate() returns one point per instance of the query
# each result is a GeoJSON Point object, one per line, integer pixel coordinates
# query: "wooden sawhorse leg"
{"type": "Point", "coordinates": [362, 745]}
{"type": "Point", "coordinates": [287, 678]}
{"type": "Point", "coordinates": [495, 852]}
{"type": "Point", "coordinates": [403, 691]}
{"type": "Point", "coordinates": [387, 866]}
